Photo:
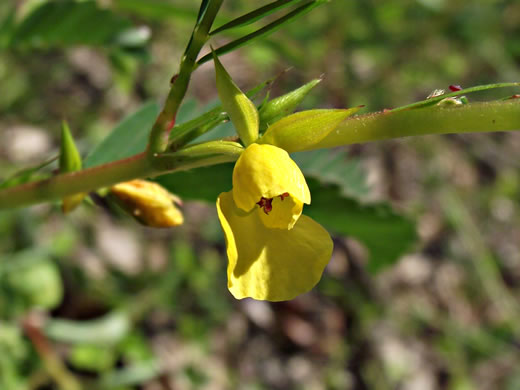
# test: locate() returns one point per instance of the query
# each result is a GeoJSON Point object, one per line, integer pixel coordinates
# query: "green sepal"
{"type": "Point", "coordinates": [281, 106]}
{"type": "Point", "coordinates": [303, 130]}
{"type": "Point", "coordinates": [70, 161]}
{"type": "Point", "coordinates": [241, 110]}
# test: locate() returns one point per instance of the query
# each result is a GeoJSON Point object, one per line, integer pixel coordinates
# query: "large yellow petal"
{"type": "Point", "coordinates": [271, 264]}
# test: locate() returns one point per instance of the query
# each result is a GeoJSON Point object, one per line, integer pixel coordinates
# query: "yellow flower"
{"type": "Point", "coordinates": [274, 252]}
{"type": "Point", "coordinates": [149, 203]}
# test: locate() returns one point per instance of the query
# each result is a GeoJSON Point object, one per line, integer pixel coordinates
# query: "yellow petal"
{"type": "Point", "coordinates": [271, 264]}
{"type": "Point", "coordinates": [267, 171]}
{"type": "Point", "coordinates": [150, 203]}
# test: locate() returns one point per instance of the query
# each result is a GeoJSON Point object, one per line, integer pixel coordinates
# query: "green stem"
{"type": "Point", "coordinates": [74, 182]}
{"type": "Point", "coordinates": [476, 117]}
{"type": "Point", "coordinates": [469, 118]}
{"type": "Point", "coordinates": [137, 166]}
{"type": "Point", "coordinates": [158, 141]}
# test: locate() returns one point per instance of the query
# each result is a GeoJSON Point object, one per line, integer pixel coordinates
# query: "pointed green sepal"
{"type": "Point", "coordinates": [70, 161]}
{"type": "Point", "coordinates": [240, 109]}
{"type": "Point", "coordinates": [303, 130]}
{"type": "Point", "coordinates": [281, 106]}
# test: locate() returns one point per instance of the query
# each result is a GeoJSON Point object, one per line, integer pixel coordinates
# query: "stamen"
{"type": "Point", "coordinates": [266, 204]}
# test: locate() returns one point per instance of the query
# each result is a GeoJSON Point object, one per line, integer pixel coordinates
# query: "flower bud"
{"type": "Point", "coordinates": [149, 203]}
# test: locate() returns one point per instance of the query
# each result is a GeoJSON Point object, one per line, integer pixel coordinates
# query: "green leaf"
{"type": "Point", "coordinates": [199, 184]}
{"type": "Point", "coordinates": [240, 109]}
{"type": "Point", "coordinates": [255, 15]}
{"type": "Point", "coordinates": [57, 24]}
{"type": "Point", "coordinates": [335, 167]}
{"type": "Point", "coordinates": [38, 282]}
{"type": "Point", "coordinates": [386, 234]}
{"type": "Point", "coordinates": [7, 26]}
{"type": "Point", "coordinates": [128, 138]}
{"type": "Point", "coordinates": [92, 357]}
{"type": "Point", "coordinates": [156, 9]}
{"type": "Point", "coordinates": [132, 375]}
{"type": "Point", "coordinates": [264, 31]}
{"type": "Point", "coordinates": [104, 331]}
{"type": "Point", "coordinates": [303, 130]}
{"type": "Point", "coordinates": [26, 174]}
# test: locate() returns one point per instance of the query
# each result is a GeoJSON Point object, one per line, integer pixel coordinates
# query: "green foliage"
{"type": "Point", "coordinates": [26, 174]}
{"type": "Point", "coordinates": [386, 234]}
{"type": "Point", "coordinates": [264, 31]}
{"type": "Point", "coordinates": [255, 15]}
{"type": "Point", "coordinates": [104, 331]}
{"type": "Point", "coordinates": [128, 138]}
{"type": "Point", "coordinates": [157, 9]}
{"type": "Point", "coordinates": [35, 281]}
{"type": "Point", "coordinates": [67, 23]}
{"type": "Point", "coordinates": [199, 184]}
{"type": "Point", "coordinates": [337, 168]}
{"type": "Point", "coordinates": [14, 349]}
{"type": "Point", "coordinates": [381, 55]}
{"type": "Point", "coordinates": [92, 358]}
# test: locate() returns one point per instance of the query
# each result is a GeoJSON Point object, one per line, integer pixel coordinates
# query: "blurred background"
{"type": "Point", "coordinates": [94, 300]}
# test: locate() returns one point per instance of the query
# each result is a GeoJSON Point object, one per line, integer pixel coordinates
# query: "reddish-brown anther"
{"type": "Point", "coordinates": [455, 88]}
{"type": "Point", "coordinates": [266, 204]}
{"type": "Point", "coordinates": [284, 195]}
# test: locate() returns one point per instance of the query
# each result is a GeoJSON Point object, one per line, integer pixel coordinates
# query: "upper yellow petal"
{"type": "Point", "coordinates": [267, 171]}
{"type": "Point", "coordinates": [271, 264]}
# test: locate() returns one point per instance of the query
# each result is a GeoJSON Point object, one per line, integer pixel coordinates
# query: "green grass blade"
{"type": "Point", "coordinates": [255, 15]}
{"type": "Point", "coordinates": [266, 30]}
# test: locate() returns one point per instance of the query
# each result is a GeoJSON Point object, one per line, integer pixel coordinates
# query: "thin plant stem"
{"type": "Point", "coordinates": [165, 121]}
{"type": "Point", "coordinates": [469, 118]}
{"type": "Point", "coordinates": [138, 166]}
{"type": "Point", "coordinates": [475, 117]}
